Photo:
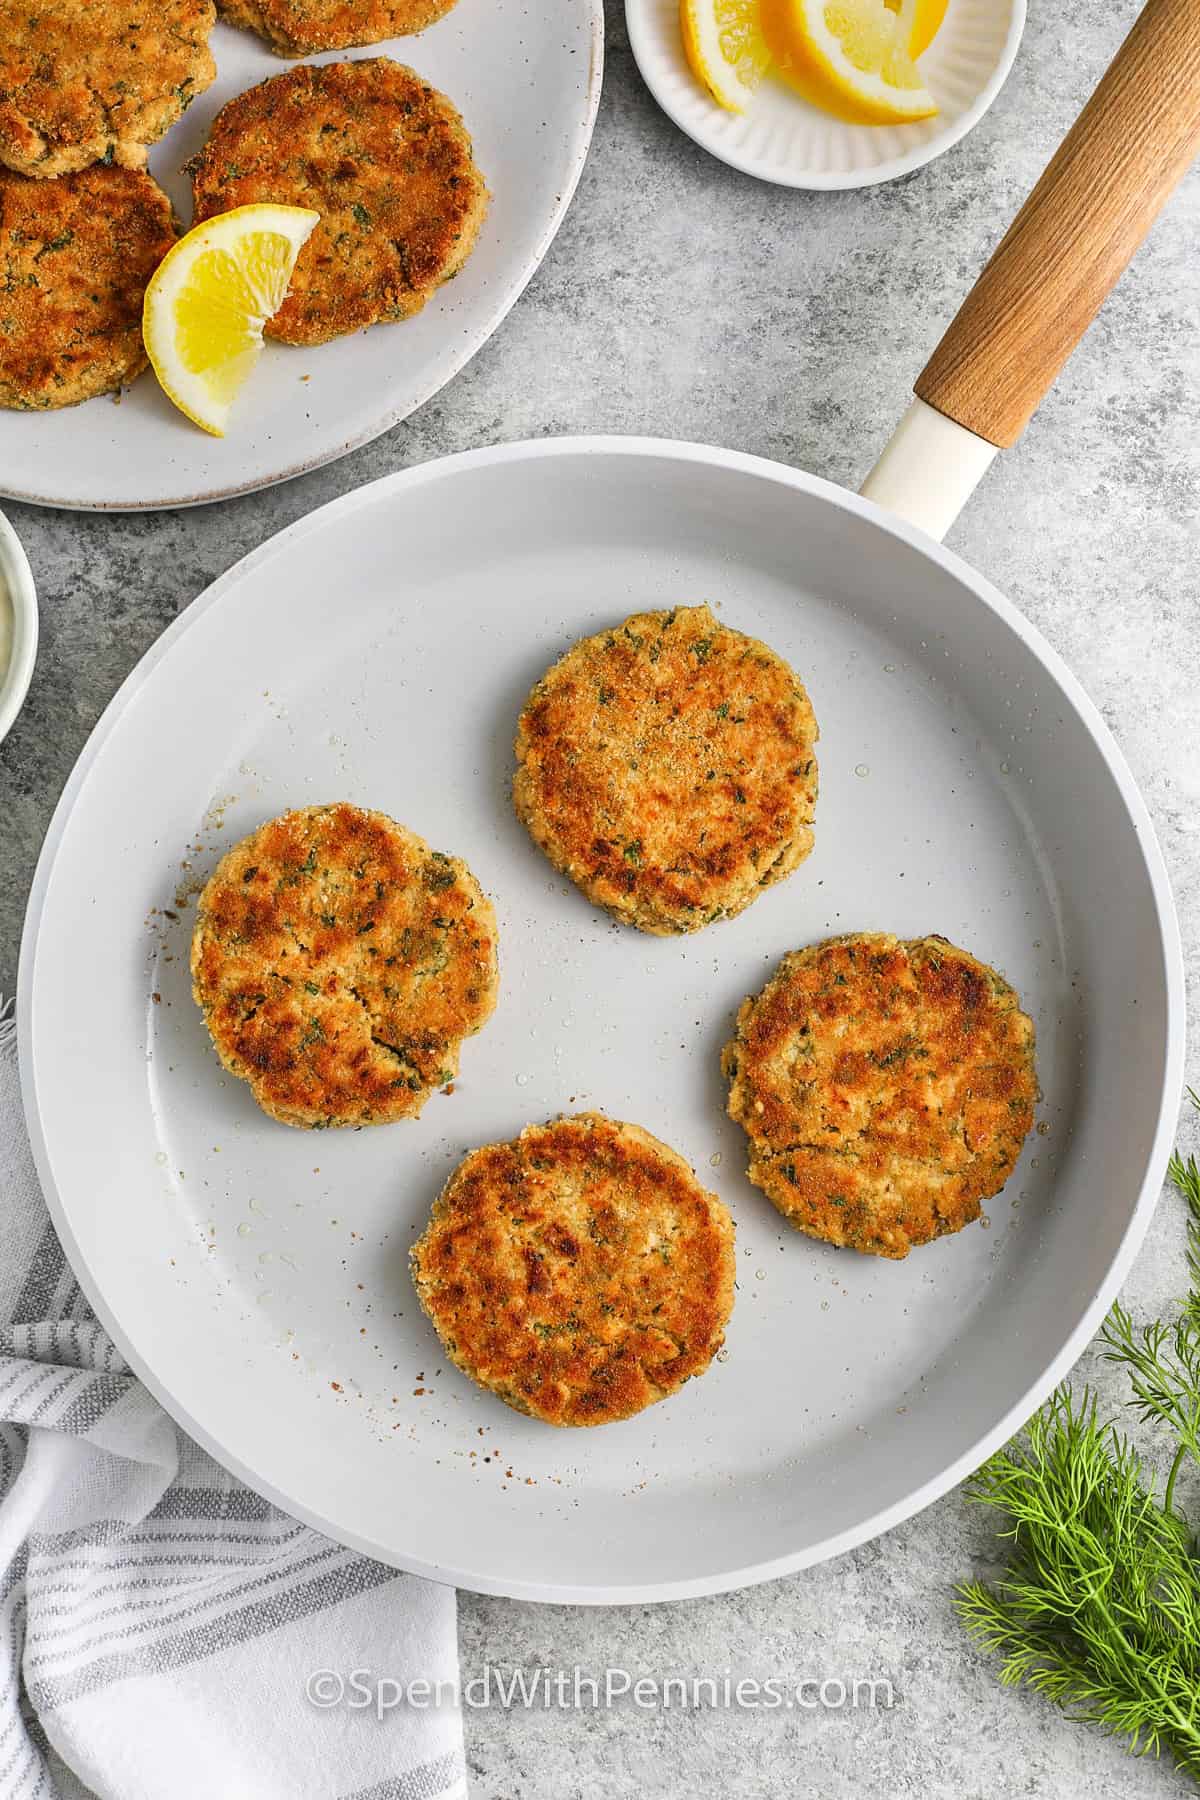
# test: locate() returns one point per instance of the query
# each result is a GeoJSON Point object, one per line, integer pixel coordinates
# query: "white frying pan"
{"type": "Point", "coordinates": [379, 651]}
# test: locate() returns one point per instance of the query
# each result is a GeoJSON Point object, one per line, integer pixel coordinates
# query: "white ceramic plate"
{"type": "Point", "coordinates": [257, 1277]}
{"type": "Point", "coordinates": [782, 138]}
{"type": "Point", "coordinates": [526, 76]}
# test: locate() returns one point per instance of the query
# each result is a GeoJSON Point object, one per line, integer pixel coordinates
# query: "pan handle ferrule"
{"type": "Point", "coordinates": [929, 469]}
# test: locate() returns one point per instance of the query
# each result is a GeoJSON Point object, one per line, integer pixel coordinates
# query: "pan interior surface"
{"type": "Point", "coordinates": [379, 652]}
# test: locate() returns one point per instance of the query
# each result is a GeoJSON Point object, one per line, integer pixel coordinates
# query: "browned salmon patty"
{"type": "Point", "coordinates": [301, 27]}
{"type": "Point", "coordinates": [580, 1272]}
{"type": "Point", "coordinates": [87, 81]}
{"type": "Point", "coordinates": [75, 257]}
{"type": "Point", "coordinates": [339, 963]}
{"type": "Point", "coordinates": [668, 768]}
{"type": "Point", "coordinates": [386, 161]}
{"type": "Point", "coordinates": [886, 1089]}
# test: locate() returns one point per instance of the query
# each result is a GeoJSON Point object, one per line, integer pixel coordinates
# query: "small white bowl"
{"type": "Point", "coordinates": [782, 138]}
{"type": "Point", "coordinates": [16, 582]}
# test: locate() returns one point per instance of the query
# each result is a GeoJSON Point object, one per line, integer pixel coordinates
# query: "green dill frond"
{"type": "Point", "coordinates": [1185, 1173]}
{"type": "Point", "coordinates": [1098, 1608]}
{"type": "Point", "coordinates": [1164, 1368]}
{"type": "Point", "coordinates": [1163, 1360]}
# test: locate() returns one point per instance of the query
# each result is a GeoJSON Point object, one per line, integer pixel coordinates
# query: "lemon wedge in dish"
{"type": "Point", "coordinates": [208, 300]}
{"type": "Point", "coordinates": [725, 48]}
{"type": "Point", "coordinates": [849, 57]}
{"type": "Point", "coordinates": [921, 21]}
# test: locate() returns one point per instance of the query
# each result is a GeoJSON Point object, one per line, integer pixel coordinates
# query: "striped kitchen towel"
{"type": "Point", "coordinates": [163, 1630]}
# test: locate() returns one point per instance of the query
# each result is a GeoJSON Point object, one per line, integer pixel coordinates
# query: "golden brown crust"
{"type": "Point", "coordinates": [86, 81]}
{"type": "Point", "coordinates": [386, 161]}
{"type": "Point", "coordinates": [667, 766]}
{"type": "Point", "coordinates": [339, 963]}
{"type": "Point", "coordinates": [580, 1272]}
{"type": "Point", "coordinates": [301, 27]}
{"type": "Point", "coordinates": [886, 1089]}
{"type": "Point", "coordinates": [75, 257]}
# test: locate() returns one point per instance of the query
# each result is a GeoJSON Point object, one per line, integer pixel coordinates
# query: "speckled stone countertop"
{"type": "Point", "coordinates": [685, 300]}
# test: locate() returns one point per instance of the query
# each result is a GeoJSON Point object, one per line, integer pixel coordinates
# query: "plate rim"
{"type": "Point", "coordinates": [509, 296]}
{"type": "Point", "coordinates": [826, 181]}
{"type": "Point", "coordinates": [748, 1574]}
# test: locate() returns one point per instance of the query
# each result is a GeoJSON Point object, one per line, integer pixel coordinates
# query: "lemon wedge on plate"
{"type": "Point", "coordinates": [725, 48]}
{"type": "Point", "coordinates": [921, 20]}
{"type": "Point", "coordinates": [209, 298]}
{"type": "Point", "coordinates": [849, 57]}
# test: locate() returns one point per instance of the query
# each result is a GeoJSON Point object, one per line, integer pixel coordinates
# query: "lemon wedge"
{"type": "Point", "coordinates": [725, 48]}
{"type": "Point", "coordinates": [209, 298]}
{"type": "Point", "coordinates": [849, 57]}
{"type": "Point", "coordinates": [921, 20]}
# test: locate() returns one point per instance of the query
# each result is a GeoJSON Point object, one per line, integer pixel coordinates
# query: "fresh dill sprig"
{"type": "Point", "coordinates": [1099, 1606]}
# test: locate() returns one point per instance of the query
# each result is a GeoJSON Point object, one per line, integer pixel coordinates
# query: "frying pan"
{"type": "Point", "coordinates": [379, 651]}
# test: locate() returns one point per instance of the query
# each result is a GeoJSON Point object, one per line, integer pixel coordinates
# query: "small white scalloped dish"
{"type": "Point", "coordinates": [18, 599]}
{"type": "Point", "coordinates": [782, 138]}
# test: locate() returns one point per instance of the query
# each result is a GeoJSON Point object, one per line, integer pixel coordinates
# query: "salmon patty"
{"type": "Point", "coordinates": [87, 81]}
{"type": "Point", "coordinates": [76, 255]}
{"type": "Point", "coordinates": [386, 161]}
{"type": "Point", "coordinates": [301, 27]}
{"type": "Point", "coordinates": [580, 1272]}
{"type": "Point", "coordinates": [339, 963]}
{"type": "Point", "coordinates": [886, 1089]}
{"type": "Point", "coordinates": [668, 767]}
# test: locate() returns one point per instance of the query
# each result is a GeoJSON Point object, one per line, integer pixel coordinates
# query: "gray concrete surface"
{"type": "Point", "coordinates": [686, 300]}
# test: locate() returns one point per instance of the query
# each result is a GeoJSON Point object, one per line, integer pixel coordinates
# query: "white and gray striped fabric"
{"type": "Point", "coordinates": [158, 1621]}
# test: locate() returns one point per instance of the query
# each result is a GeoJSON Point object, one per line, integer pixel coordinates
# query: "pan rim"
{"type": "Point", "coordinates": [748, 1574]}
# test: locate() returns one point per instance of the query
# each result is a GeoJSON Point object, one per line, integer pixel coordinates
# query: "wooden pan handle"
{"type": "Point", "coordinates": [1077, 231]}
